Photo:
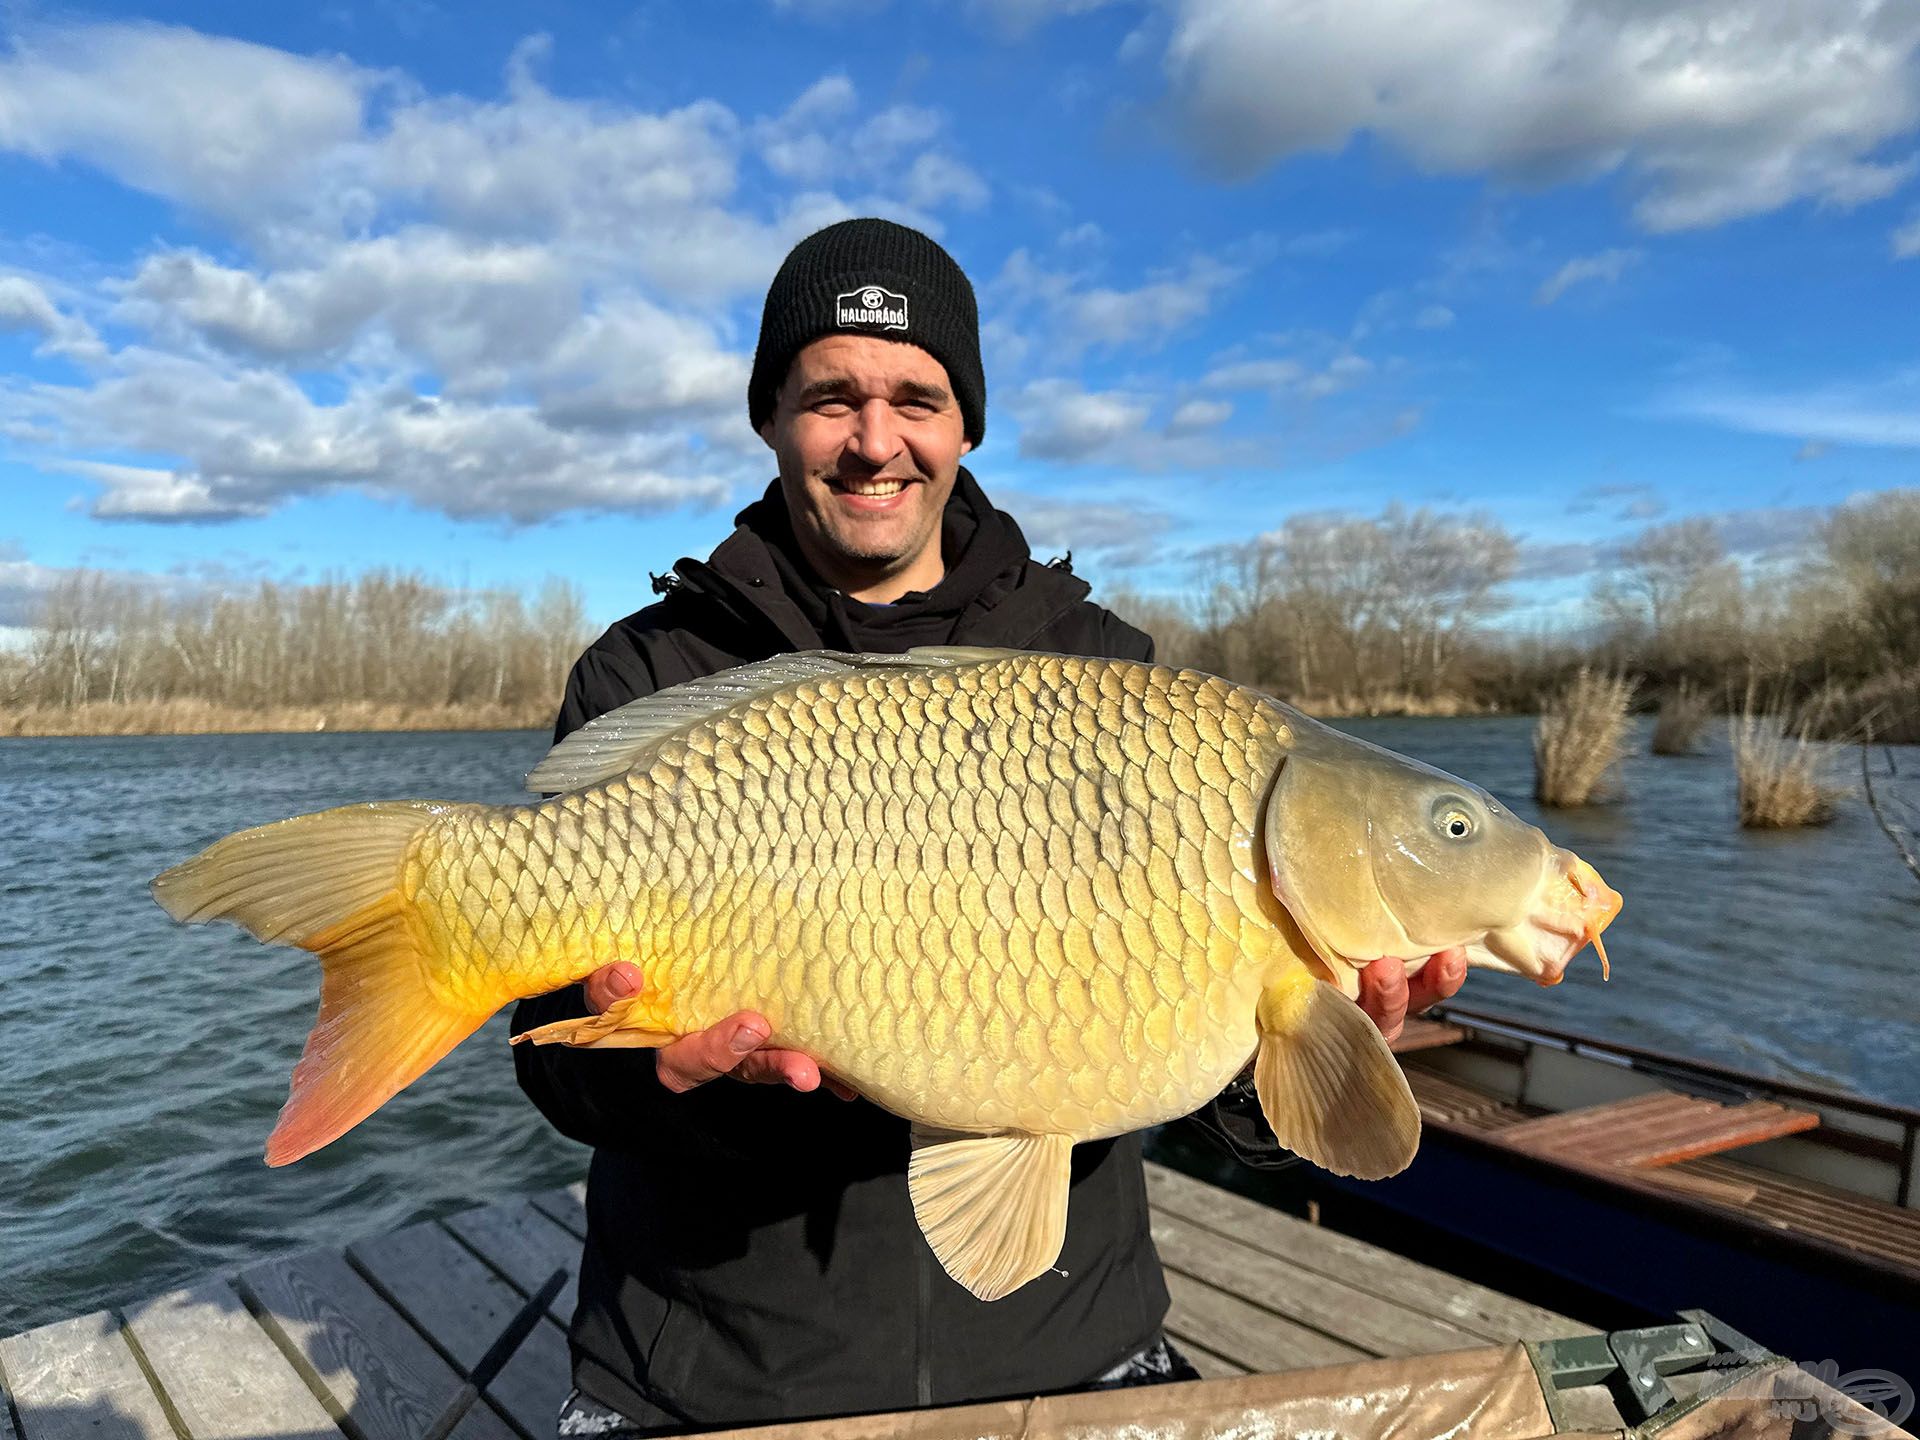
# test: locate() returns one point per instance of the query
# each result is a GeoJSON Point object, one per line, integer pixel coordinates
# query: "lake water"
{"type": "Point", "coordinates": [142, 1065]}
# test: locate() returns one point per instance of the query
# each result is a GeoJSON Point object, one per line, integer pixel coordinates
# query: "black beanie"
{"type": "Point", "coordinates": [871, 277]}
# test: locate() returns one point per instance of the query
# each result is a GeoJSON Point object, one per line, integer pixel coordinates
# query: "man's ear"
{"type": "Point", "coordinates": [966, 447]}
{"type": "Point", "coordinates": [766, 433]}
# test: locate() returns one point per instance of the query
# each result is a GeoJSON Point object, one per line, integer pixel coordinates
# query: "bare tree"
{"type": "Point", "coordinates": [1874, 545]}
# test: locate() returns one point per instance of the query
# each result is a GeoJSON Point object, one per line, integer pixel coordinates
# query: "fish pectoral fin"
{"type": "Point", "coordinates": [1329, 1085]}
{"type": "Point", "coordinates": [993, 1207]}
{"type": "Point", "coordinates": [623, 1025]}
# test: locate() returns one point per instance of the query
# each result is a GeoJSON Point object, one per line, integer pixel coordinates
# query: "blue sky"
{"type": "Point", "coordinates": [287, 291]}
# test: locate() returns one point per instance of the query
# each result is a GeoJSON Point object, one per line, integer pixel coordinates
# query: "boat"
{"type": "Point", "coordinates": [1657, 1182]}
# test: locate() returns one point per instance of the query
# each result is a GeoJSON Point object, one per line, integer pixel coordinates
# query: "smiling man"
{"type": "Point", "coordinates": [751, 1251]}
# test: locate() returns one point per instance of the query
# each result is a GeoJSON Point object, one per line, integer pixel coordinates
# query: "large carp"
{"type": "Point", "coordinates": [1022, 900]}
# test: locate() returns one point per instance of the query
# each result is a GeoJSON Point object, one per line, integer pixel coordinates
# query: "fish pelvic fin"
{"type": "Point", "coordinates": [993, 1207]}
{"type": "Point", "coordinates": [1328, 1083]}
{"type": "Point", "coordinates": [330, 883]}
{"type": "Point", "coordinates": [631, 1024]}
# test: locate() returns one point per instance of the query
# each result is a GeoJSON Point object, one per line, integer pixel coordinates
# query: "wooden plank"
{"type": "Point", "coordinates": [1474, 1308]}
{"type": "Point", "coordinates": [1735, 1196]}
{"type": "Point", "coordinates": [7, 1432]}
{"type": "Point", "coordinates": [1748, 1124]}
{"type": "Point", "coordinates": [566, 1207]}
{"type": "Point", "coordinates": [357, 1351]}
{"type": "Point", "coordinates": [1442, 1100]}
{"type": "Point", "coordinates": [526, 1247]}
{"type": "Point", "coordinates": [1418, 1034]}
{"type": "Point", "coordinates": [1353, 1316]}
{"type": "Point", "coordinates": [77, 1380]}
{"type": "Point", "coordinates": [1210, 1365]}
{"type": "Point", "coordinates": [1572, 1126]}
{"type": "Point", "coordinates": [1654, 1130]}
{"type": "Point", "coordinates": [462, 1306]}
{"type": "Point", "coordinates": [221, 1373]}
{"type": "Point", "coordinates": [1244, 1333]}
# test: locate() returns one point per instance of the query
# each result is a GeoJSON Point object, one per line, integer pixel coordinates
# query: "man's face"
{"type": "Point", "coordinates": [869, 439]}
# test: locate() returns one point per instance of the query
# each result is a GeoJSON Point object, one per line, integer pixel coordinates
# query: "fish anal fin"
{"type": "Point", "coordinates": [1328, 1083]}
{"type": "Point", "coordinates": [993, 1207]}
{"type": "Point", "coordinates": [630, 1024]}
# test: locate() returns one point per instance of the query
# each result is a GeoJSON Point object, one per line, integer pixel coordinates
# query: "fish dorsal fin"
{"type": "Point", "coordinates": [611, 744]}
{"type": "Point", "coordinates": [993, 1207]}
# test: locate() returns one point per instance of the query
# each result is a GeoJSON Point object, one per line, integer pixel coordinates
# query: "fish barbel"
{"type": "Point", "coordinates": [1022, 900]}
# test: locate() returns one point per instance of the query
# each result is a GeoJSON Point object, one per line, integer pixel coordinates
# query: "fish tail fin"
{"type": "Point", "coordinates": [330, 883]}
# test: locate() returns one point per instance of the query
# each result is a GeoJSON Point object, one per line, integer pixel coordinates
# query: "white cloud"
{"type": "Point", "coordinates": [1713, 109]}
{"type": "Point", "coordinates": [1343, 372]}
{"type": "Point", "coordinates": [1254, 375]}
{"type": "Point", "coordinates": [216, 123]}
{"type": "Point", "coordinates": [1433, 317]}
{"type": "Point", "coordinates": [1057, 524]}
{"type": "Point", "coordinates": [1019, 16]}
{"type": "Point", "coordinates": [1071, 313]}
{"type": "Point", "coordinates": [1061, 421]}
{"type": "Point", "coordinates": [934, 180]}
{"type": "Point", "coordinates": [517, 306]}
{"type": "Point", "coordinates": [817, 141]}
{"type": "Point", "coordinates": [1285, 375]}
{"type": "Point", "coordinates": [1193, 416]}
{"type": "Point", "coordinates": [253, 439]}
{"type": "Point", "coordinates": [1607, 266]}
{"type": "Point", "coordinates": [1884, 413]}
{"type": "Point", "coordinates": [1906, 240]}
{"type": "Point", "coordinates": [25, 306]}
{"type": "Point", "coordinates": [136, 492]}
{"type": "Point", "coordinates": [460, 305]}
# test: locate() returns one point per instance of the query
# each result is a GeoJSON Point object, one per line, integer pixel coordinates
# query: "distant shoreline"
{"type": "Point", "coordinates": [194, 717]}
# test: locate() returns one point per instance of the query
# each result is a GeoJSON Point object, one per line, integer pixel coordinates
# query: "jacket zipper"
{"type": "Point", "coordinates": [923, 1346]}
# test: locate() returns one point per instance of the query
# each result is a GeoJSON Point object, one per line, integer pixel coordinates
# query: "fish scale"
{"type": "Point", "coordinates": [1056, 918]}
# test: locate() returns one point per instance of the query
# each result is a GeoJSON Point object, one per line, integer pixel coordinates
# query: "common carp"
{"type": "Point", "coordinates": [1022, 900]}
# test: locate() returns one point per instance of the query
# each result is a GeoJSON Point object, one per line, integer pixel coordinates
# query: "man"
{"type": "Point", "coordinates": [751, 1251]}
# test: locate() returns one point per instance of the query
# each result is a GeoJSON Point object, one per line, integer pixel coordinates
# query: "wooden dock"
{"type": "Point", "coordinates": [374, 1341]}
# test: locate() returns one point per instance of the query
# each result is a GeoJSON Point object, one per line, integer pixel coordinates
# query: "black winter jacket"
{"type": "Point", "coordinates": [751, 1252]}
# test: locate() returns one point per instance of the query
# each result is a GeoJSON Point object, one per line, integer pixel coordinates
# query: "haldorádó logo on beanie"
{"type": "Point", "coordinates": [871, 277]}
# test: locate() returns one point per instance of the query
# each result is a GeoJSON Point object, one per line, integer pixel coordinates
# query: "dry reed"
{"type": "Point", "coordinates": [1580, 738]}
{"type": "Point", "coordinates": [1683, 719]}
{"type": "Point", "coordinates": [1784, 779]}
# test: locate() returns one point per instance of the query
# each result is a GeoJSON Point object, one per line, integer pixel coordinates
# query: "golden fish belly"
{"type": "Point", "coordinates": [1018, 895]}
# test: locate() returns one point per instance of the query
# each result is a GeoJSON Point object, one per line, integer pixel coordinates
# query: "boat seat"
{"type": "Point", "coordinates": [1443, 1101]}
{"type": "Point", "coordinates": [1653, 1130]}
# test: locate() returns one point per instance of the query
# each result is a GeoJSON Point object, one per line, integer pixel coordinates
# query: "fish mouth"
{"type": "Point", "coordinates": [1575, 905]}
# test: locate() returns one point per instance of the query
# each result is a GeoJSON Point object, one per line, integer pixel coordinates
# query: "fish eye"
{"type": "Point", "coordinates": [1454, 819]}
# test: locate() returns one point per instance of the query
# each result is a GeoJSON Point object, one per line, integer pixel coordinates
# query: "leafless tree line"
{"type": "Point", "coordinates": [1393, 611]}
{"type": "Point", "coordinates": [1341, 606]}
{"type": "Point", "coordinates": [382, 637]}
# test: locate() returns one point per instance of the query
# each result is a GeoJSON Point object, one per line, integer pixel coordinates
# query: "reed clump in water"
{"type": "Point", "coordinates": [1683, 719]}
{"type": "Point", "coordinates": [1784, 779]}
{"type": "Point", "coordinates": [1580, 738]}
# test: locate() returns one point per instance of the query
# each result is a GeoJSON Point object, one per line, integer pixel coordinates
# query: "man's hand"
{"type": "Point", "coordinates": [1388, 996]}
{"type": "Point", "coordinates": [737, 1046]}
